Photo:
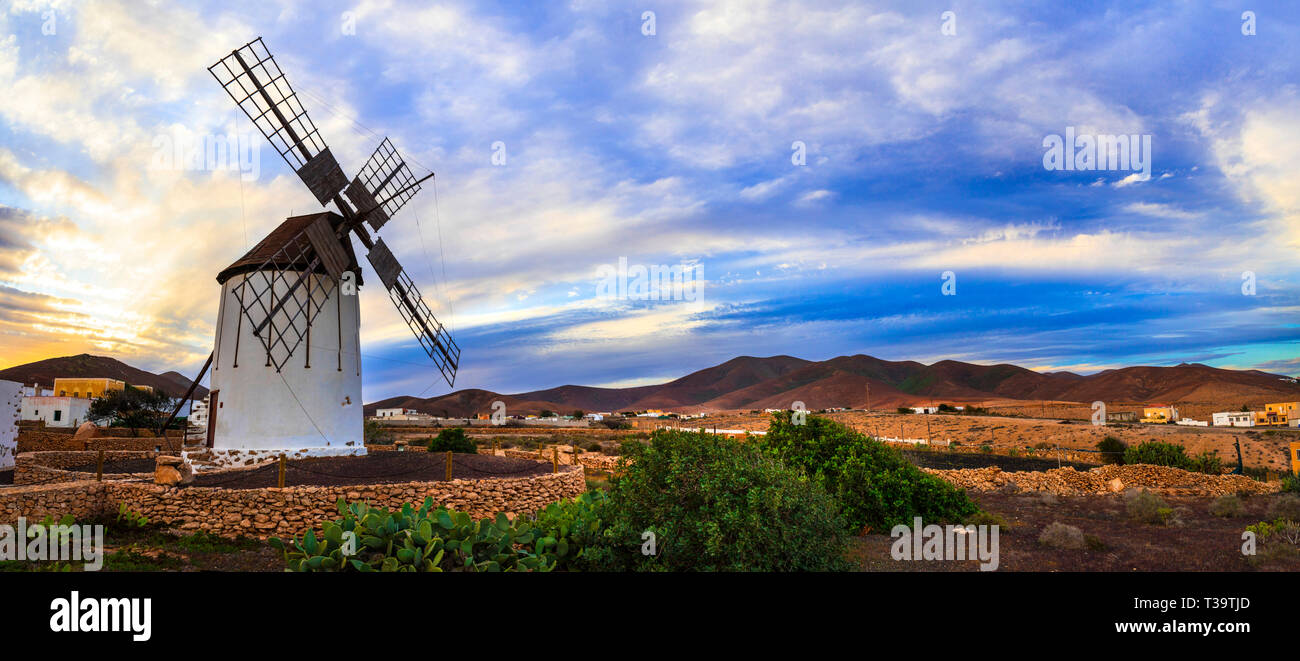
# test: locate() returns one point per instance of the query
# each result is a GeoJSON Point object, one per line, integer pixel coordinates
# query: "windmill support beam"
{"type": "Point", "coordinates": [162, 431]}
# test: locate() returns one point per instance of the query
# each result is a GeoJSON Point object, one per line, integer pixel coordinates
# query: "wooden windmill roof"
{"type": "Point", "coordinates": [270, 245]}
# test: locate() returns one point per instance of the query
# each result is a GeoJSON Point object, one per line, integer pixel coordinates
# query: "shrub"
{"type": "Point", "coordinates": [716, 504]}
{"type": "Point", "coordinates": [1147, 507]}
{"type": "Point", "coordinates": [1287, 506]}
{"type": "Point", "coordinates": [1159, 454]}
{"type": "Point", "coordinates": [986, 448]}
{"type": "Point", "coordinates": [1060, 536]}
{"type": "Point", "coordinates": [374, 433]}
{"type": "Point", "coordinates": [1112, 450]}
{"type": "Point", "coordinates": [1208, 463]}
{"type": "Point", "coordinates": [877, 487]}
{"type": "Point", "coordinates": [430, 539]}
{"type": "Point", "coordinates": [986, 519]}
{"type": "Point", "coordinates": [905, 410]}
{"type": "Point", "coordinates": [593, 447]}
{"type": "Point", "coordinates": [1291, 484]}
{"type": "Point", "coordinates": [1227, 506]}
{"type": "Point", "coordinates": [452, 440]}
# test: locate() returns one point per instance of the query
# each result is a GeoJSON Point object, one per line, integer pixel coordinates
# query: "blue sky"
{"type": "Point", "coordinates": [923, 135]}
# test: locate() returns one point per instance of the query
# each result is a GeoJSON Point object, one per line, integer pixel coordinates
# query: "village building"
{"type": "Point", "coordinates": [1233, 419]}
{"type": "Point", "coordinates": [56, 411]}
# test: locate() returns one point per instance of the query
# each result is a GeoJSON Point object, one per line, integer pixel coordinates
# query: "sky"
{"type": "Point", "coordinates": [833, 178]}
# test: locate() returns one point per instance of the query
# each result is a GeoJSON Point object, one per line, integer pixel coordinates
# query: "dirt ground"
{"type": "Point", "coordinates": [1260, 448]}
{"type": "Point", "coordinates": [374, 468]}
{"type": "Point", "coordinates": [1200, 542]}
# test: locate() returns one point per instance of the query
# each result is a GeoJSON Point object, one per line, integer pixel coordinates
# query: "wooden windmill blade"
{"type": "Point", "coordinates": [383, 186]}
{"type": "Point", "coordinates": [284, 286]}
{"type": "Point", "coordinates": [432, 335]}
{"type": "Point", "coordinates": [252, 78]}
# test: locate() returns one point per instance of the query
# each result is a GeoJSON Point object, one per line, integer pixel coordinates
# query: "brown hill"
{"type": "Point", "coordinates": [87, 366]}
{"type": "Point", "coordinates": [778, 381]}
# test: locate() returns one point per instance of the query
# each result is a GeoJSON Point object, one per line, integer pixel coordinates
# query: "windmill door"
{"type": "Point", "coordinates": [213, 407]}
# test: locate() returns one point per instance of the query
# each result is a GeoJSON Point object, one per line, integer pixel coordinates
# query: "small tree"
{"type": "Point", "coordinates": [133, 408]}
{"type": "Point", "coordinates": [546, 413]}
{"type": "Point", "coordinates": [578, 414]}
{"type": "Point", "coordinates": [1112, 450]}
{"type": "Point", "coordinates": [452, 440]}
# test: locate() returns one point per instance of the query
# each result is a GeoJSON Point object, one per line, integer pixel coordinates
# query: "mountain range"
{"type": "Point", "coordinates": [87, 366]}
{"type": "Point", "coordinates": [747, 382]}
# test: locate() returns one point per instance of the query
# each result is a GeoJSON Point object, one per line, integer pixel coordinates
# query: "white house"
{"type": "Point", "coordinates": [925, 409]}
{"type": "Point", "coordinates": [595, 417]}
{"type": "Point", "coordinates": [393, 413]}
{"type": "Point", "coordinates": [1188, 422]}
{"type": "Point", "coordinates": [1233, 419]}
{"type": "Point", "coordinates": [56, 411]}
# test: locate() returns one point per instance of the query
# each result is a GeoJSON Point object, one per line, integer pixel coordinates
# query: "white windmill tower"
{"type": "Point", "coordinates": [286, 365]}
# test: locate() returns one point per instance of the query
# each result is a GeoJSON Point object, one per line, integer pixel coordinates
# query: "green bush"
{"type": "Point", "coordinates": [1159, 454]}
{"type": "Point", "coordinates": [877, 487]}
{"type": "Point", "coordinates": [1227, 506]}
{"type": "Point", "coordinates": [1112, 450]}
{"type": "Point", "coordinates": [1291, 484]}
{"type": "Point", "coordinates": [716, 504]}
{"type": "Point", "coordinates": [1208, 463]}
{"type": "Point", "coordinates": [452, 440]}
{"type": "Point", "coordinates": [429, 539]}
{"type": "Point", "coordinates": [1147, 507]}
{"type": "Point", "coordinates": [1287, 506]}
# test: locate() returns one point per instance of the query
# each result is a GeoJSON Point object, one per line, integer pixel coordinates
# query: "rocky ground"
{"type": "Point", "coordinates": [1111, 541]}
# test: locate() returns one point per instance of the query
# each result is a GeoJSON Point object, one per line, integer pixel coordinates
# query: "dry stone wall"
{"type": "Point", "coordinates": [282, 512]}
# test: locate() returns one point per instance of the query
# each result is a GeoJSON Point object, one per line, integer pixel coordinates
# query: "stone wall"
{"type": "Point", "coordinates": [83, 500]}
{"type": "Point", "coordinates": [282, 512]}
{"type": "Point", "coordinates": [50, 467]}
{"type": "Point", "coordinates": [42, 441]}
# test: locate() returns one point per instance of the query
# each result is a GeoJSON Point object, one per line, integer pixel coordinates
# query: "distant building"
{"type": "Point", "coordinates": [594, 417]}
{"type": "Point", "coordinates": [391, 413]}
{"type": "Point", "coordinates": [925, 409]}
{"type": "Point", "coordinates": [1188, 422]}
{"type": "Point", "coordinates": [86, 388]}
{"type": "Point", "coordinates": [1233, 419]}
{"type": "Point", "coordinates": [56, 411]}
{"type": "Point", "coordinates": [1159, 414]}
{"type": "Point", "coordinates": [1122, 416]}
{"type": "Point", "coordinates": [1281, 412]}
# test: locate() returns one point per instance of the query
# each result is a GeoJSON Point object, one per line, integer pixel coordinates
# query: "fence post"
{"type": "Point", "coordinates": [280, 479]}
{"type": "Point", "coordinates": [448, 465]}
{"type": "Point", "coordinates": [99, 466]}
{"type": "Point", "coordinates": [555, 459]}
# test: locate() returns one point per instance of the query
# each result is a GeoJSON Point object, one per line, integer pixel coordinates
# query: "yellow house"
{"type": "Point", "coordinates": [1159, 414]}
{"type": "Point", "coordinates": [87, 388]}
{"type": "Point", "coordinates": [1282, 411]}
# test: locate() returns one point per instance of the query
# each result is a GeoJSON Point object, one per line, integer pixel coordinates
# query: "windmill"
{"type": "Point", "coordinates": [286, 365]}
